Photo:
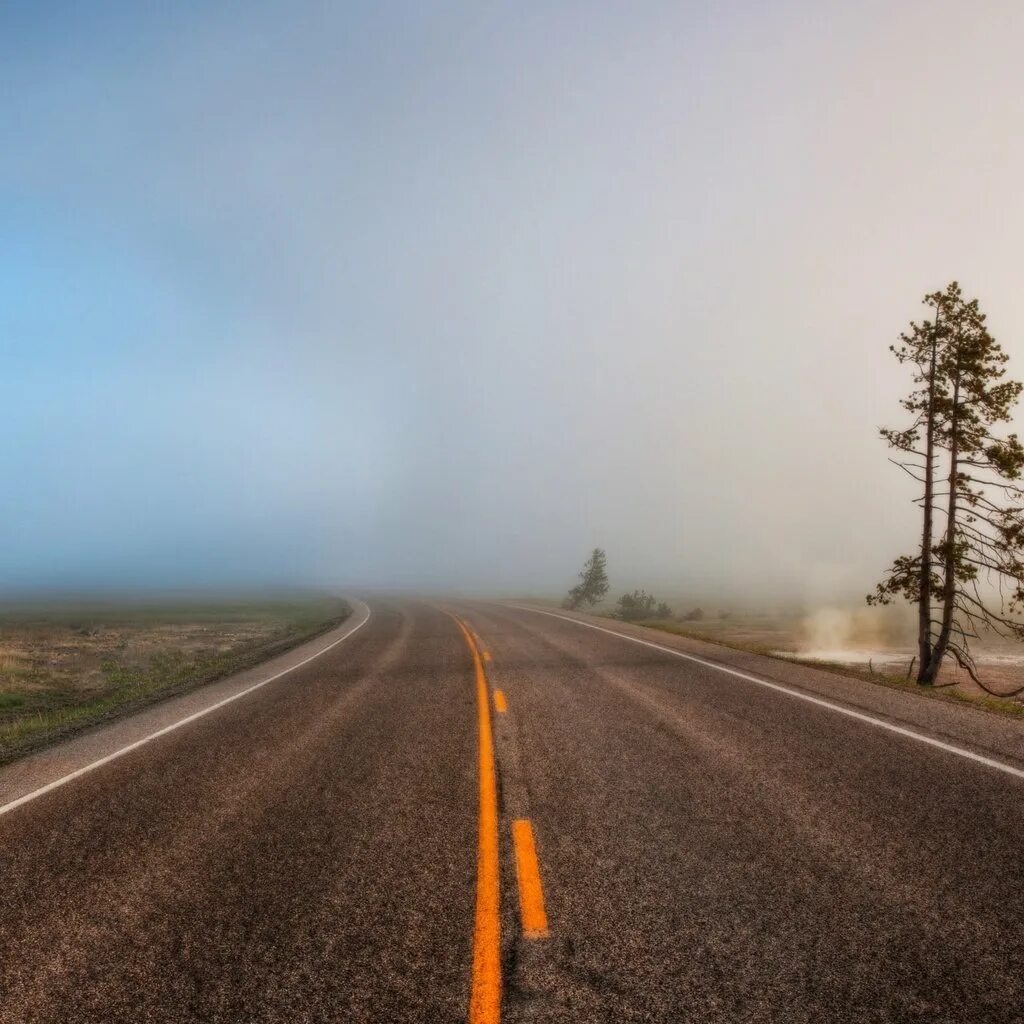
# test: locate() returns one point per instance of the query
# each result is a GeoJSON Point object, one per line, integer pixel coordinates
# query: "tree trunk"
{"type": "Point", "coordinates": [949, 566]}
{"type": "Point", "coordinates": [924, 602]}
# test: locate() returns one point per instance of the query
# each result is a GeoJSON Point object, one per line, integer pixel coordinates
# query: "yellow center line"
{"type": "Point", "coordinates": [481, 646]}
{"type": "Point", "coordinates": [485, 993]}
{"type": "Point", "coordinates": [531, 892]}
{"type": "Point", "coordinates": [500, 704]}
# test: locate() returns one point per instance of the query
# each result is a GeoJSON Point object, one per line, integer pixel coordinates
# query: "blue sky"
{"type": "Point", "coordinates": [442, 295]}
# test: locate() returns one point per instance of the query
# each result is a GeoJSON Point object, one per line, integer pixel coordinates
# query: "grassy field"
{"type": "Point", "coordinates": [65, 666]}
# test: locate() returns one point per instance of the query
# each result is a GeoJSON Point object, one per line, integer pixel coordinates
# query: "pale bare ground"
{"type": "Point", "coordinates": [866, 643]}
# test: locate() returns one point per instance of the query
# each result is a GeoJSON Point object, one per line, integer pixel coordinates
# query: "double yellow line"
{"type": "Point", "coordinates": [485, 991]}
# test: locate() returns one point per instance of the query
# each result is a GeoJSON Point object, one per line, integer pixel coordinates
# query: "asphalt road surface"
{"type": "Point", "coordinates": [510, 815]}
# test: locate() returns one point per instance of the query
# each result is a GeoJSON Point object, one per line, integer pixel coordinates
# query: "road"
{"type": "Point", "coordinates": [479, 812]}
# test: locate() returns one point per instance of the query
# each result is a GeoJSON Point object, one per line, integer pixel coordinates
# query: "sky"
{"type": "Point", "coordinates": [440, 296]}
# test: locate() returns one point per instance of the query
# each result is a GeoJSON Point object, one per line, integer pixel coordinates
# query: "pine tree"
{"type": "Point", "coordinates": [593, 583]}
{"type": "Point", "coordinates": [967, 573]}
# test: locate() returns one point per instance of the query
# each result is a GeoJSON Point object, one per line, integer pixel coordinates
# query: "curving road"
{"type": "Point", "coordinates": [672, 842]}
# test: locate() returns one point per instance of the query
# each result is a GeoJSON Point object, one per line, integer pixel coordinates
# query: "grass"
{"type": "Point", "coordinates": [65, 667]}
{"type": "Point", "coordinates": [986, 702]}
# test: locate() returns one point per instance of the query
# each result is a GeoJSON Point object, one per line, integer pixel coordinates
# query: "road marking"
{"type": "Point", "coordinates": [487, 655]}
{"type": "Point", "coordinates": [485, 993]}
{"type": "Point", "coordinates": [531, 892]}
{"type": "Point", "coordinates": [879, 723]}
{"type": "Point", "coordinates": [500, 704]}
{"type": "Point", "coordinates": [92, 766]}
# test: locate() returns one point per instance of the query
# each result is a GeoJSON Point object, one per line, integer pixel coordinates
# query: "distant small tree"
{"type": "Point", "coordinates": [967, 572]}
{"type": "Point", "coordinates": [593, 583]}
{"type": "Point", "coordinates": [663, 611]}
{"type": "Point", "coordinates": [694, 616]}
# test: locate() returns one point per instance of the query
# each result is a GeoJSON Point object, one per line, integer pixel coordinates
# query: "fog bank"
{"type": "Point", "coordinates": [441, 297]}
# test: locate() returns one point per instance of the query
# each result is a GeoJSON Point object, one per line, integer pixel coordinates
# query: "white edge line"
{"type": "Point", "coordinates": [93, 765]}
{"type": "Point", "coordinates": [880, 723]}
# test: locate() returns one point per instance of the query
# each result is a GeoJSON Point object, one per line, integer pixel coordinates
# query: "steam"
{"type": "Point", "coordinates": [854, 636]}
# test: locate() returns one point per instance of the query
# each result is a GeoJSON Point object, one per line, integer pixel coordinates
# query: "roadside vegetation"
{"type": "Point", "coordinates": [966, 574]}
{"type": "Point", "coordinates": [593, 584]}
{"type": "Point", "coordinates": [640, 605]}
{"type": "Point", "coordinates": [66, 666]}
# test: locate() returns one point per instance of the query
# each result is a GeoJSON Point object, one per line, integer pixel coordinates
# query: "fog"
{"type": "Point", "coordinates": [440, 296]}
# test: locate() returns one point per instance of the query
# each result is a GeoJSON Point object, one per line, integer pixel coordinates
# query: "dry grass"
{"type": "Point", "coordinates": [66, 666]}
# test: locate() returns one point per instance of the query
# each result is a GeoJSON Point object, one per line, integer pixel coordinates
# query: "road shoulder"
{"type": "Point", "coordinates": [44, 767]}
{"type": "Point", "coordinates": [982, 731]}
